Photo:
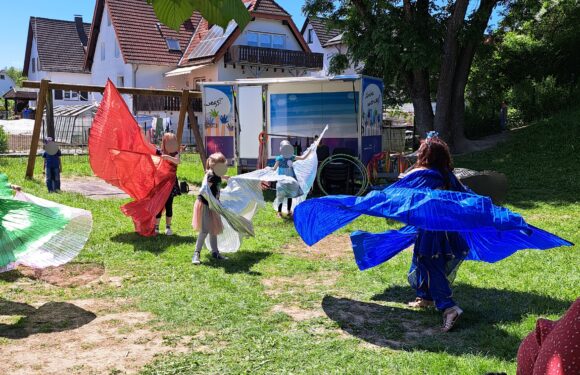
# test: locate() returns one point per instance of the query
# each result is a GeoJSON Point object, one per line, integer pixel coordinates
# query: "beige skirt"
{"type": "Point", "coordinates": [206, 220]}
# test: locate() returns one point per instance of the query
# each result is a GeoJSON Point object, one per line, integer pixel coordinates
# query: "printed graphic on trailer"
{"type": "Point", "coordinates": [306, 114]}
{"type": "Point", "coordinates": [372, 106]}
{"type": "Point", "coordinates": [218, 111]}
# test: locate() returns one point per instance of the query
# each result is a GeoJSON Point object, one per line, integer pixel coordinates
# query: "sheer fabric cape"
{"type": "Point", "coordinates": [39, 233]}
{"type": "Point", "coordinates": [491, 232]}
{"type": "Point", "coordinates": [120, 155]}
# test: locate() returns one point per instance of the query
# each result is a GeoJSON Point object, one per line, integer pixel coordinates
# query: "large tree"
{"type": "Point", "coordinates": [419, 46]}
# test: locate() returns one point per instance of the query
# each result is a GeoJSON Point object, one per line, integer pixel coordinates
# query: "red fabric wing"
{"type": "Point", "coordinates": [120, 155]}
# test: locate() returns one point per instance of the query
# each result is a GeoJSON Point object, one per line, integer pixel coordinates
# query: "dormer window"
{"type": "Point", "coordinates": [173, 44]}
{"type": "Point", "coordinates": [309, 38]}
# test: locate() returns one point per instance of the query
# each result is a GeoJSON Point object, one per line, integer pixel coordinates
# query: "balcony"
{"type": "Point", "coordinates": [279, 58]}
{"type": "Point", "coordinates": [143, 103]}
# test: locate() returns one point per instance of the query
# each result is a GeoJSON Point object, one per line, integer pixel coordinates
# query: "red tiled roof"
{"type": "Point", "coordinates": [268, 7]}
{"type": "Point", "coordinates": [323, 32]}
{"type": "Point", "coordinates": [140, 38]}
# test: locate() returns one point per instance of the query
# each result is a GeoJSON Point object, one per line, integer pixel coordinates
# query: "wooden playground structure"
{"type": "Point", "coordinates": [44, 101]}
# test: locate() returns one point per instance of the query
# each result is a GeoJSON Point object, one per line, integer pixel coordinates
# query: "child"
{"type": "Point", "coordinates": [52, 165]}
{"type": "Point", "coordinates": [205, 220]}
{"type": "Point", "coordinates": [284, 166]}
{"type": "Point", "coordinates": [169, 152]}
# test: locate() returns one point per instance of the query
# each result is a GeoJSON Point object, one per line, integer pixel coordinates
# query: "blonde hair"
{"type": "Point", "coordinates": [213, 159]}
{"type": "Point", "coordinates": [166, 137]}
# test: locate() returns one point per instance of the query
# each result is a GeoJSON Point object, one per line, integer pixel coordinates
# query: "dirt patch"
{"type": "Point", "coordinates": [296, 313]}
{"type": "Point", "coordinates": [335, 246]}
{"type": "Point", "coordinates": [85, 343]}
{"type": "Point", "coordinates": [307, 282]}
{"type": "Point", "coordinates": [91, 187]}
{"type": "Point", "coordinates": [68, 275]}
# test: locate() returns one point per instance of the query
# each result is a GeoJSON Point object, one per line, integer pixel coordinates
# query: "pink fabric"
{"type": "Point", "coordinates": [553, 348]}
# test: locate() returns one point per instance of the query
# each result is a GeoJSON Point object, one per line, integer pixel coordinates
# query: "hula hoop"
{"type": "Point", "coordinates": [349, 159]}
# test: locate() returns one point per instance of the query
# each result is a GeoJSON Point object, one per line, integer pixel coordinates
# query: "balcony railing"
{"type": "Point", "coordinates": [274, 57]}
{"type": "Point", "coordinates": [162, 103]}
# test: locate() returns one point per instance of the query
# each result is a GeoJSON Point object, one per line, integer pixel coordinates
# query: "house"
{"type": "Point", "coordinates": [128, 45]}
{"type": "Point", "coordinates": [6, 83]}
{"type": "Point", "coordinates": [325, 40]}
{"type": "Point", "coordinates": [55, 50]}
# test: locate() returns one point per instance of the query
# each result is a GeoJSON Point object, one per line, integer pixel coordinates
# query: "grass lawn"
{"type": "Point", "coordinates": [272, 309]}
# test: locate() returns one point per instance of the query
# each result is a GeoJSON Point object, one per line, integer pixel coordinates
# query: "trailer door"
{"type": "Point", "coordinates": [251, 124]}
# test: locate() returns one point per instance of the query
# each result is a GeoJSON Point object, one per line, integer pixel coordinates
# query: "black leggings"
{"type": "Point", "coordinates": [168, 208]}
{"type": "Point", "coordinates": [289, 205]}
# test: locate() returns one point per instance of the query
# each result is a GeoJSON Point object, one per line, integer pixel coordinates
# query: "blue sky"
{"type": "Point", "coordinates": [14, 21]}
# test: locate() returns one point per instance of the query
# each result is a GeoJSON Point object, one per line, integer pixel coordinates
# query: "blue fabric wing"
{"type": "Point", "coordinates": [372, 249]}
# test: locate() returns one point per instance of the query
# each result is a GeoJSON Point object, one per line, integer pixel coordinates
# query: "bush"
{"type": "Point", "coordinates": [537, 99]}
{"type": "Point", "coordinates": [3, 140]}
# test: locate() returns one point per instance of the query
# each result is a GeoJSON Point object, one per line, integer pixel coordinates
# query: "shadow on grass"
{"type": "Point", "coordinates": [478, 331]}
{"type": "Point", "coordinates": [155, 245]}
{"type": "Point", "coordinates": [239, 262]}
{"type": "Point", "coordinates": [50, 317]}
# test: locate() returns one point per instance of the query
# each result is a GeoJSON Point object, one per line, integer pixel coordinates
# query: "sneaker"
{"type": "Point", "coordinates": [217, 255]}
{"type": "Point", "coordinates": [168, 232]}
{"type": "Point", "coordinates": [450, 316]}
{"type": "Point", "coordinates": [195, 260]}
{"type": "Point", "coordinates": [156, 229]}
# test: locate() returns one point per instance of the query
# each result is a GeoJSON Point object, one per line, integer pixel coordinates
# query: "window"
{"type": "Point", "coordinates": [84, 96]}
{"type": "Point", "coordinates": [108, 19]}
{"type": "Point", "coordinates": [196, 82]}
{"type": "Point", "coordinates": [120, 81]}
{"type": "Point", "coordinates": [33, 64]}
{"type": "Point", "coordinates": [278, 41]}
{"type": "Point", "coordinates": [252, 39]}
{"type": "Point", "coordinates": [2, 76]}
{"type": "Point", "coordinates": [265, 40]}
{"type": "Point", "coordinates": [309, 38]}
{"type": "Point", "coordinates": [173, 44]}
{"type": "Point", "coordinates": [66, 94]}
{"type": "Point", "coordinates": [102, 51]}
{"type": "Point", "coordinates": [38, 64]}
{"type": "Point", "coordinates": [74, 95]}
{"type": "Point", "coordinates": [117, 51]}
{"type": "Point", "coordinates": [57, 94]}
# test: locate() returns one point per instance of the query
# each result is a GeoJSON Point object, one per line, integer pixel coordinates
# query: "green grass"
{"type": "Point", "coordinates": [230, 302]}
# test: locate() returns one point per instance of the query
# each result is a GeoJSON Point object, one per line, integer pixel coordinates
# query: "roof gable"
{"type": "Point", "coordinates": [60, 47]}
{"type": "Point", "coordinates": [141, 37]}
{"type": "Point", "coordinates": [209, 42]}
{"type": "Point", "coordinates": [321, 29]}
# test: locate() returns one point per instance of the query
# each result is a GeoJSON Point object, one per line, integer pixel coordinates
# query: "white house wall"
{"type": "Point", "coordinates": [270, 26]}
{"type": "Point", "coordinates": [6, 83]}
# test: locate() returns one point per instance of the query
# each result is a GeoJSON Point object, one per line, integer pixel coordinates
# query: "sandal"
{"type": "Point", "coordinates": [450, 316]}
{"type": "Point", "coordinates": [421, 303]}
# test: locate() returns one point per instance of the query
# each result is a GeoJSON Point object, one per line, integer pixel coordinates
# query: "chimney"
{"type": "Point", "coordinates": [81, 30]}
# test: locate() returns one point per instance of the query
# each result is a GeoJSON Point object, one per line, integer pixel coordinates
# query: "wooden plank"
{"type": "Point", "coordinates": [37, 125]}
{"type": "Point", "coordinates": [50, 115]}
{"type": "Point", "coordinates": [101, 89]}
{"type": "Point", "coordinates": [199, 144]}
{"type": "Point", "coordinates": [182, 112]}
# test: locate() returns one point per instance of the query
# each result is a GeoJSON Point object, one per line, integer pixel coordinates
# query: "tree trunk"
{"type": "Point", "coordinates": [418, 83]}
{"type": "Point", "coordinates": [447, 70]}
{"type": "Point", "coordinates": [458, 142]}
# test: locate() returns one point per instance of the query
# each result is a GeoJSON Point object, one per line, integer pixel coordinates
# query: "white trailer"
{"type": "Point", "coordinates": [247, 119]}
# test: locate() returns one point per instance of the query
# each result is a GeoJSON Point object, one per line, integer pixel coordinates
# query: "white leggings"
{"type": "Point", "coordinates": [201, 240]}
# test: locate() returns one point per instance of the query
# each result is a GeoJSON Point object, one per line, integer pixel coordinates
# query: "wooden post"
{"type": "Point", "coordinates": [50, 115]}
{"type": "Point", "coordinates": [182, 112]}
{"type": "Point", "coordinates": [41, 98]}
{"type": "Point", "coordinates": [197, 134]}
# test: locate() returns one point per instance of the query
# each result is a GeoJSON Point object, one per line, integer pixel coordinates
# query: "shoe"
{"type": "Point", "coordinates": [195, 260]}
{"type": "Point", "coordinates": [450, 317]}
{"type": "Point", "coordinates": [156, 229]}
{"type": "Point", "coordinates": [420, 303]}
{"type": "Point", "coordinates": [279, 214]}
{"type": "Point", "coordinates": [168, 232]}
{"type": "Point", "coordinates": [218, 256]}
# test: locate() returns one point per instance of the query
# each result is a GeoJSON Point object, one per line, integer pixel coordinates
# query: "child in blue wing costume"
{"type": "Point", "coordinates": [446, 222]}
